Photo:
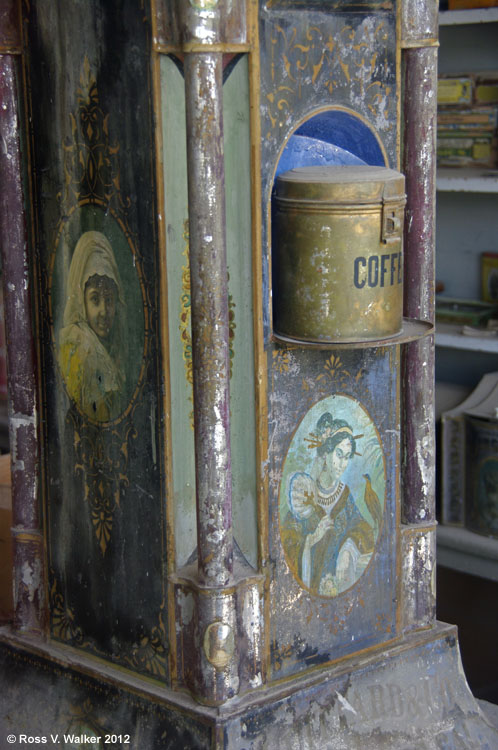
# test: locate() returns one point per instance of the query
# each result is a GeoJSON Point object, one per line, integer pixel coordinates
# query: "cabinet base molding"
{"type": "Point", "coordinates": [404, 696]}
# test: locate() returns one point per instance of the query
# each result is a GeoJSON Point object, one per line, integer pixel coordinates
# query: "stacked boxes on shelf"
{"type": "Point", "coordinates": [467, 120]}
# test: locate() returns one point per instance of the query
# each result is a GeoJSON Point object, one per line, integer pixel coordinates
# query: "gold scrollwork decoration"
{"type": "Point", "coordinates": [185, 316]}
{"type": "Point", "coordinates": [296, 651]}
{"type": "Point", "coordinates": [353, 58]}
{"type": "Point", "coordinates": [149, 655]}
{"type": "Point", "coordinates": [91, 173]}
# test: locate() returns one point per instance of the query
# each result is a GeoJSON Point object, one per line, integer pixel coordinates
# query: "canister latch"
{"type": "Point", "coordinates": [392, 221]}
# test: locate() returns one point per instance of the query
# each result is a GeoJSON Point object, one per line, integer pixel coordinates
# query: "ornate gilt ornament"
{"type": "Point", "coordinates": [185, 315]}
{"type": "Point", "coordinates": [219, 644]}
{"type": "Point", "coordinates": [350, 59]}
{"type": "Point", "coordinates": [90, 168]}
{"type": "Point", "coordinates": [148, 655]}
{"type": "Point", "coordinates": [64, 626]}
{"type": "Point", "coordinates": [151, 652]}
{"type": "Point", "coordinates": [101, 357]}
{"type": "Point", "coordinates": [102, 459]}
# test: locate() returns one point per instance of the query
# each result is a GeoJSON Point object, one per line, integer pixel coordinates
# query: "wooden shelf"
{"type": "Point", "coordinates": [469, 16]}
{"type": "Point", "coordinates": [467, 179]}
{"type": "Point", "coordinates": [462, 550]}
{"type": "Point", "coordinates": [450, 335]}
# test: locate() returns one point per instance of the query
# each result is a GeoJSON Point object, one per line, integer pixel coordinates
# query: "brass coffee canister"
{"type": "Point", "coordinates": [338, 256]}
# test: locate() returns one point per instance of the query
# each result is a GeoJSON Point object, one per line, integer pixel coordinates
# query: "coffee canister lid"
{"type": "Point", "coordinates": [341, 184]}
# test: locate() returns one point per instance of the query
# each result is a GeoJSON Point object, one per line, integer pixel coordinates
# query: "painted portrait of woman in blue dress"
{"type": "Point", "coordinates": [331, 507]}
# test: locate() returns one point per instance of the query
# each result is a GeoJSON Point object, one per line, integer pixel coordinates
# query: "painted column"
{"type": "Point", "coordinates": [219, 602]}
{"type": "Point", "coordinates": [419, 45]}
{"type": "Point", "coordinates": [209, 294]}
{"type": "Point", "coordinates": [29, 600]}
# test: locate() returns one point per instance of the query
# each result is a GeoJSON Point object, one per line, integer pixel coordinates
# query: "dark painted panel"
{"type": "Point", "coordinates": [93, 161]}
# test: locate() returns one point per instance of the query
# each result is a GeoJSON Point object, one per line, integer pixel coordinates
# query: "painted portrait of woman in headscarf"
{"type": "Point", "coordinates": [92, 344]}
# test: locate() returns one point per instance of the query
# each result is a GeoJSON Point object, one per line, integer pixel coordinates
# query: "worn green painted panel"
{"type": "Point", "coordinates": [239, 261]}
{"type": "Point", "coordinates": [176, 209]}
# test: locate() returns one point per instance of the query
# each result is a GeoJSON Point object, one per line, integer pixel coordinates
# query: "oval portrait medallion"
{"type": "Point", "coordinates": [97, 309]}
{"type": "Point", "coordinates": [332, 496]}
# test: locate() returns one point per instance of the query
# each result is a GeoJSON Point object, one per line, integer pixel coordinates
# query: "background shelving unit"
{"type": "Point", "coordinates": [467, 17]}
{"type": "Point", "coordinates": [467, 180]}
{"type": "Point", "coordinates": [450, 336]}
{"type": "Point", "coordinates": [467, 204]}
{"type": "Point", "coordinates": [467, 225]}
{"type": "Point", "coordinates": [460, 549]}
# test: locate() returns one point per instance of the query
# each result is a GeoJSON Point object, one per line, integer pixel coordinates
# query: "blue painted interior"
{"type": "Point", "coordinates": [328, 138]}
{"type": "Point", "coordinates": [331, 137]}
{"type": "Point", "coordinates": [304, 151]}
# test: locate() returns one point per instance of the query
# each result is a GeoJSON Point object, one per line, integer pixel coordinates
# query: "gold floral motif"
{"type": "Point", "coordinates": [382, 624]}
{"type": "Point", "coordinates": [102, 460]}
{"type": "Point", "coordinates": [64, 625]}
{"type": "Point", "coordinates": [150, 654]}
{"type": "Point", "coordinates": [281, 654]}
{"type": "Point", "coordinates": [352, 58]}
{"type": "Point", "coordinates": [336, 372]}
{"type": "Point", "coordinates": [84, 711]}
{"type": "Point", "coordinates": [298, 650]}
{"type": "Point", "coordinates": [282, 359]}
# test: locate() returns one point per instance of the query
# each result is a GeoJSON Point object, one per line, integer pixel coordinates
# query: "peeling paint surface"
{"type": "Point", "coordinates": [419, 164]}
{"type": "Point", "coordinates": [414, 697]}
{"type": "Point", "coordinates": [307, 629]}
{"type": "Point", "coordinates": [419, 20]}
{"type": "Point", "coordinates": [31, 578]}
{"type": "Point", "coordinates": [415, 700]}
{"type": "Point", "coordinates": [29, 601]}
{"type": "Point", "coordinates": [219, 644]}
{"type": "Point", "coordinates": [188, 20]}
{"type": "Point", "coordinates": [210, 329]}
{"type": "Point", "coordinates": [418, 565]}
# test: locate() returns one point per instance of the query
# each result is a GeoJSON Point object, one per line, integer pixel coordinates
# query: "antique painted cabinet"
{"type": "Point", "coordinates": [170, 587]}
